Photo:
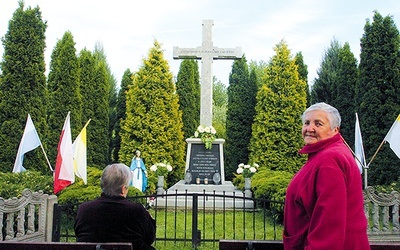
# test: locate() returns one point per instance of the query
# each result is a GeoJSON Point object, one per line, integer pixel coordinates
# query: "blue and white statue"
{"type": "Point", "coordinates": [139, 172]}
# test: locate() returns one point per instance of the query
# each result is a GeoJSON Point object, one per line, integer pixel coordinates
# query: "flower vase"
{"type": "Point", "coordinates": [247, 183]}
{"type": "Point", "coordinates": [160, 185]}
{"type": "Point", "coordinates": [247, 187]}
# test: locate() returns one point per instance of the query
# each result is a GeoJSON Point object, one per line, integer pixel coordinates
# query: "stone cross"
{"type": "Point", "coordinates": [207, 52]}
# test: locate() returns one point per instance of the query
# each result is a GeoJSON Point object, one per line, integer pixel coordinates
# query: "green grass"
{"type": "Point", "coordinates": [216, 225]}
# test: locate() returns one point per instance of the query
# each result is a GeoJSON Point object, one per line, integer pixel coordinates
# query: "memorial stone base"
{"type": "Point", "coordinates": [217, 201]}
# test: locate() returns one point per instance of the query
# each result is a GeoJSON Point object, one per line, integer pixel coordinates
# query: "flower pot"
{"type": "Point", "coordinates": [160, 185]}
{"type": "Point", "coordinates": [247, 183]}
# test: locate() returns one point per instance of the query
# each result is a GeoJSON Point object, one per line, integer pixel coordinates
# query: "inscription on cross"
{"type": "Point", "coordinates": [207, 53]}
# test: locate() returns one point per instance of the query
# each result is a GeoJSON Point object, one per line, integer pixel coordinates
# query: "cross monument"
{"type": "Point", "coordinates": [207, 53]}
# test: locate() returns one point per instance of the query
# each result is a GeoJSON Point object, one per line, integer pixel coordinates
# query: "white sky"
{"type": "Point", "coordinates": [127, 28]}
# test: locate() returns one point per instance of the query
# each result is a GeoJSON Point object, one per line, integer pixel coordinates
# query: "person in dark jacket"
{"type": "Point", "coordinates": [112, 218]}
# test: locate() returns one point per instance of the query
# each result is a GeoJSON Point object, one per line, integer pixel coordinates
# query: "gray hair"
{"type": "Point", "coordinates": [114, 177]}
{"type": "Point", "coordinates": [333, 113]}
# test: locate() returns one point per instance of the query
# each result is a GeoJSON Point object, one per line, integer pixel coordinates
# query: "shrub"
{"type": "Point", "coordinates": [12, 184]}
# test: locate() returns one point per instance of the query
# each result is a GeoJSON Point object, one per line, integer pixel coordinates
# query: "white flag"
{"type": "Point", "coordinates": [393, 137]}
{"type": "Point", "coordinates": [30, 140]}
{"type": "Point", "coordinates": [358, 147]}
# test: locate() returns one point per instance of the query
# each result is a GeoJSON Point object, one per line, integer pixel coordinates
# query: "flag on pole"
{"type": "Point", "coordinates": [64, 172]}
{"type": "Point", "coordinates": [30, 140]}
{"type": "Point", "coordinates": [393, 137]}
{"type": "Point", "coordinates": [358, 146]}
{"type": "Point", "coordinates": [79, 149]}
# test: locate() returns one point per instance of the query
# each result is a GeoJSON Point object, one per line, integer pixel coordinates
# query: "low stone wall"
{"type": "Point", "coordinates": [382, 211]}
{"type": "Point", "coordinates": [28, 218]}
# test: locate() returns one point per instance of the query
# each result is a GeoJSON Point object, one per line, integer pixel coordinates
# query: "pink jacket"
{"type": "Point", "coordinates": [324, 201]}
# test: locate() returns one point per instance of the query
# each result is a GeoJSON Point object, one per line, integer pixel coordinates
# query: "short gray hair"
{"type": "Point", "coordinates": [114, 177]}
{"type": "Point", "coordinates": [333, 114]}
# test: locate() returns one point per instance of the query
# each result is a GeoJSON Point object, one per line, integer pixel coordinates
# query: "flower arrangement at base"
{"type": "Point", "coordinates": [207, 134]}
{"type": "Point", "coordinates": [247, 170]}
{"type": "Point", "coordinates": [161, 168]}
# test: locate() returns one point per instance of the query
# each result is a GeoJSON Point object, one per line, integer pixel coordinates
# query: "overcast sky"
{"type": "Point", "coordinates": [127, 29]}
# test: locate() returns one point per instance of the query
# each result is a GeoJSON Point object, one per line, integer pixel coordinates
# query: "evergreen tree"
{"type": "Point", "coordinates": [23, 86]}
{"type": "Point", "coordinates": [188, 90]}
{"type": "Point", "coordinates": [64, 93]}
{"type": "Point", "coordinates": [336, 85]}
{"type": "Point", "coordinates": [378, 95]}
{"type": "Point", "coordinates": [220, 106]}
{"type": "Point", "coordinates": [241, 110]}
{"type": "Point", "coordinates": [153, 121]}
{"type": "Point", "coordinates": [121, 112]}
{"type": "Point", "coordinates": [276, 131]}
{"type": "Point", "coordinates": [303, 74]}
{"type": "Point", "coordinates": [112, 98]}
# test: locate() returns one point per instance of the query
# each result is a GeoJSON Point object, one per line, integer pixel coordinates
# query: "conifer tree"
{"type": "Point", "coordinates": [188, 89]}
{"type": "Point", "coordinates": [241, 110]}
{"type": "Point", "coordinates": [64, 92]}
{"type": "Point", "coordinates": [336, 84]}
{"type": "Point", "coordinates": [100, 55]}
{"type": "Point", "coordinates": [303, 74]}
{"type": "Point", "coordinates": [23, 86]}
{"type": "Point", "coordinates": [220, 106]}
{"type": "Point", "coordinates": [153, 121]}
{"type": "Point", "coordinates": [121, 112]}
{"type": "Point", "coordinates": [276, 131]}
{"type": "Point", "coordinates": [378, 95]}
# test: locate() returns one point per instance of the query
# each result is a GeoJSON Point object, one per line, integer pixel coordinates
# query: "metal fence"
{"type": "Point", "coordinates": [193, 218]}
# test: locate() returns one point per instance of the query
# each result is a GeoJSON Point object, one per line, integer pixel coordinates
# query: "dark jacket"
{"type": "Point", "coordinates": [115, 219]}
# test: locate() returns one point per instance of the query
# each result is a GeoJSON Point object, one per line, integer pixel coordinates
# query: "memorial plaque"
{"type": "Point", "coordinates": [204, 163]}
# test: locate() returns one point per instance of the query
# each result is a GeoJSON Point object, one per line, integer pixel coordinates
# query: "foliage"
{"type": "Point", "coordinates": [161, 168]}
{"type": "Point", "coordinates": [121, 112]}
{"type": "Point", "coordinates": [64, 93]}
{"type": "Point", "coordinates": [22, 86]}
{"type": "Point", "coordinates": [110, 96]}
{"type": "Point", "coordinates": [378, 94]}
{"type": "Point", "coordinates": [188, 90]}
{"type": "Point", "coordinates": [12, 184]}
{"type": "Point", "coordinates": [336, 83]}
{"type": "Point", "coordinates": [242, 92]}
{"type": "Point", "coordinates": [207, 134]}
{"type": "Point", "coordinates": [153, 121]}
{"type": "Point", "coordinates": [247, 171]}
{"type": "Point", "coordinates": [276, 131]}
{"type": "Point", "coordinates": [303, 74]}
{"type": "Point", "coordinates": [271, 185]}
{"type": "Point", "coordinates": [220, 102]}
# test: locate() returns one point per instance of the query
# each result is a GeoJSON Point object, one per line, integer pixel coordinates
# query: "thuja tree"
{"type": "Point", "coordinates": [102, 110]}
{"type": "Point", "coordinates": [111, 97]}
{"type": "Point", "coordinates": [336, 83]}
{"type": "Point", "coordinates": [220, 105]}
{"type": "Point", "coordinates": [64, 92]}
{"type": "Point", "coordinates": [241, 110]}
{"type": "Point", "coordinates": [276, 131]}
{"type": "Point", "coordinates": [188, 90]}
{"type": "Point", "coordinates": [303, 74]}
{"type": "Point", "coordinates": [22, 86]}
{"type": "Point", "coordinates": [378, 95]}
{"type": "Point", "coordinates": [121, 113]}
{"type": "Point", "coordinates": [153, 121]}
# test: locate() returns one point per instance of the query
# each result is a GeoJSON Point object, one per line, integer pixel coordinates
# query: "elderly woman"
{"type": "Point", "coordinates": [324, 201]}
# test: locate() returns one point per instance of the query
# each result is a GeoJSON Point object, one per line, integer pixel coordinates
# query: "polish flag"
{"type": "Point", "coordinates": [64, 172]}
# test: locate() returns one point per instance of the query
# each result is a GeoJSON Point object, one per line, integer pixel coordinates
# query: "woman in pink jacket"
{"type": "Point", "coordinates": [324, 201]}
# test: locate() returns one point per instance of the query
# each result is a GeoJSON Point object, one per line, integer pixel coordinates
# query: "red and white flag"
{"type": "Point", "coordinates": [64, 172]}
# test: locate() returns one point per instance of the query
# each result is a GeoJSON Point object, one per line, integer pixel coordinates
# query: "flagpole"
{"type": "Point", "coordinates": [355, 156]}
{"type": "Point", "coordinates": [376, 152]}
{"type": "Point", "coordinates": [47, 159]}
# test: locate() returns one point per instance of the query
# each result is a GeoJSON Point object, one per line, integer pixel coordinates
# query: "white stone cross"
{"type": "Point", "coordinates": [207, 52]}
